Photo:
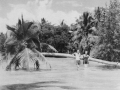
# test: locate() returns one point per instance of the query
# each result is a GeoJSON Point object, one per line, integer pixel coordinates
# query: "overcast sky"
{"type": "Point", "coordinates": [52, 10]}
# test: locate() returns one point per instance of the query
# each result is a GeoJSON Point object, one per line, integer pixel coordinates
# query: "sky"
{"type": "Point", "coordinates": [53, 11]}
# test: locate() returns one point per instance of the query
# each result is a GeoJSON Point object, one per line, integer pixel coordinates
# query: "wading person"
{"type": "Point", "coordinates": [86, 59]}
{"type": "Point", "coordinates": [77, 58]}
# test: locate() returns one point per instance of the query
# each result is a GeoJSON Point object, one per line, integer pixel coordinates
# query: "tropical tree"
{"type": "Point", "coordinates": [47, 36]}
{"type": "Point", "coordinates": [21, 42]}
{"type": "Point", "coordinates": [57, 36]}
{"type": "Point", "coordinates": [62, 37]}
{"type": "Point", "coordinates": [109, 32]}
{"type": "Point", "coordinates": [84, 28]}
{"type": "Point", "coordinates": [46, 32]}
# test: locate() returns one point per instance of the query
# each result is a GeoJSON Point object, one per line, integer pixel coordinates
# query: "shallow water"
{"type": "Point", "coordinates": [63, 76]}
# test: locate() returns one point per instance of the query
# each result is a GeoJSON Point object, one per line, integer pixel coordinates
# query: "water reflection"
{"type": "Point", "coordinates": [108, 67]}
{"type": "Point", "coordinates": [85, 73]}
{"type": "Point", "coordinates": [94, 77]}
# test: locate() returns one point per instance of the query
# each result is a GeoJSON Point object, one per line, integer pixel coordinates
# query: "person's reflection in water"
{"type": "Point", "coordinates": [85, 72]}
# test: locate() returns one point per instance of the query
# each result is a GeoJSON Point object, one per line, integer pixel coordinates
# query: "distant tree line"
{"type": "Point", "coordinates": [97, 32]}
{"type": "Point", "coordinates": [57, 36]}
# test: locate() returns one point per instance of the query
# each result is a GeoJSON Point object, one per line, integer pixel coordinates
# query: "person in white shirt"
{"type": "Point", "coordinates": [77, 58]}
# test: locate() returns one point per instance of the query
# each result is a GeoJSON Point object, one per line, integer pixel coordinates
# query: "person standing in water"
{"type": "Point", "coordinates": [77, 57]}
{"type": "Point", "coordinates": [86, 59]}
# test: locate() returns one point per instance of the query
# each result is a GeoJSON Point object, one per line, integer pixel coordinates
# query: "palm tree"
{"type": "Point", "coordinates": [21, 42]}
{"type": "Point", "coordinates": [85, 26]}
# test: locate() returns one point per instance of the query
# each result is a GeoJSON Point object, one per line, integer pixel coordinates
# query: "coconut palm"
{"type": "Point", "coordinates": [21, 42]}
{"type": "Point", "coordinates": [84, 27]}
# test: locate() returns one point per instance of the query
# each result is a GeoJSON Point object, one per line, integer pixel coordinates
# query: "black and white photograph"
{"type": "Point", "coordinates": [59, 44]}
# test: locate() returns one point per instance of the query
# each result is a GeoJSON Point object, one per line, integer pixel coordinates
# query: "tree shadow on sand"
{"type": "Point", "coordinates": [38, 85]}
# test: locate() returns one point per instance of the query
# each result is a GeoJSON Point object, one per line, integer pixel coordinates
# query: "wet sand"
{"type": "Point", "coordinates": [63, 76]}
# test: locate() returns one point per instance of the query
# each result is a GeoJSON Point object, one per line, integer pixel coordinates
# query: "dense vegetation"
{"type": "Point", "coordinates": [97, 32]}
{"type": "Point", "coordinates": [57, 36]}
{"type": "Point", "coordinates": [109, 32]}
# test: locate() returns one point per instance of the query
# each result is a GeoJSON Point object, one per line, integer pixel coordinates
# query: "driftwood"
{"type": "Point", "coordinates": [65, 55]}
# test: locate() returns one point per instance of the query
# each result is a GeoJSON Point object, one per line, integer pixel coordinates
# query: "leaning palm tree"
{"type": "Point", "coordinates": [20, 42]}
{"type": "Point", "coordinates": [85, 25]}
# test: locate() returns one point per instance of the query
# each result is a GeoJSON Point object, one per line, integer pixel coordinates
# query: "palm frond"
{"type": "Point", "coordinates": [26, 26]}
{"type": "Point", "coordinates": [19, 22]}
{"type": "Point", "coordinates": [48, 47]}
{"type": "Point", "coordinates": [26, 56]}
{"type": "Point", "coordinates": [51, 47]}
{"type": "Point", "coordinates": [11, 28]}
{"type": "Point", "coordinates": [62, 23]}
{"type": "Point", "coordinates": [10, 41]}
{"type": "Point", "coordinates": [41, 57]}
{"type": "Point", "coordinates": [31, 44]}
{"type": "Point", "coordinates": [11, 38]}
{"type": "Point", "coordinates": [33, 31]}
{"type": "Point", "coordinates": [23, 27]}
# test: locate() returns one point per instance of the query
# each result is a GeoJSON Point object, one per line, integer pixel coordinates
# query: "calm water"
{"type": "Point", "coordinates": [63, 76]}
